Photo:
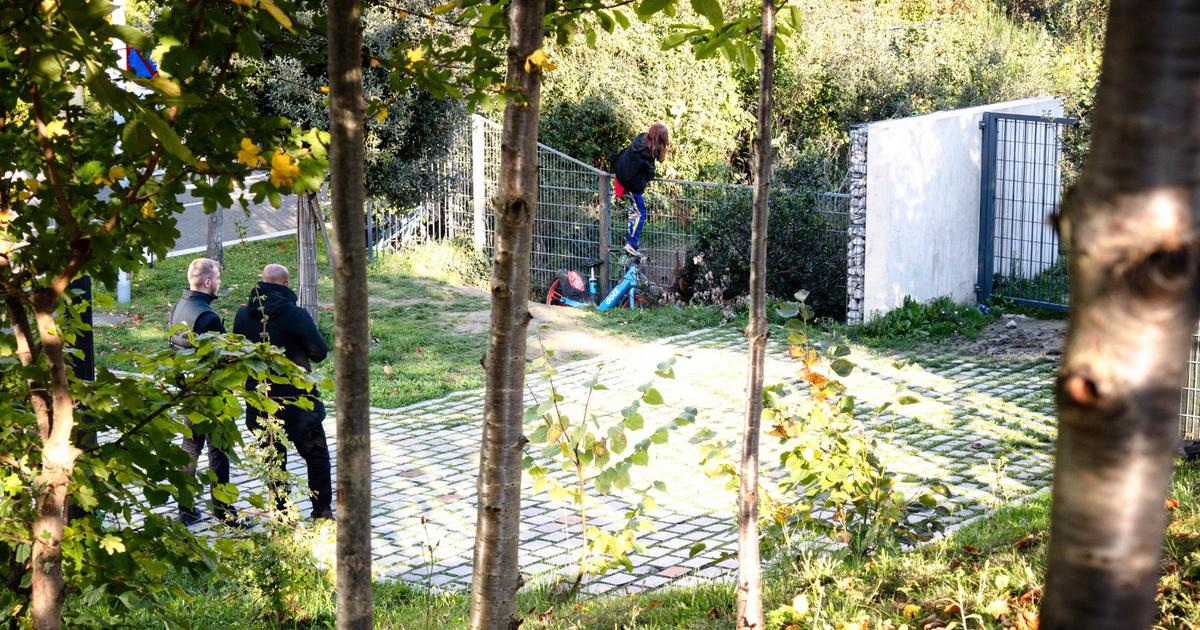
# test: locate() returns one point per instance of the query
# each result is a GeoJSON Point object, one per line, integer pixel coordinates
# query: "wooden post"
{"type": "Point", "coordinates": [306, 252]}
{"type": "Point", "coordinates": [605, 229]}
{"type": "Point", "coordinates": [478, 183]}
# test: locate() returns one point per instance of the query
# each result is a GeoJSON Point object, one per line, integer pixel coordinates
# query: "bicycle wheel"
{"type": "Point", "coordinates": [552, 295]}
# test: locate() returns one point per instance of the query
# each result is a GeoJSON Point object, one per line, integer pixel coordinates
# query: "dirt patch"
{"type": "Point", "coordinates": [558, 328]}
{"type": "Point", "coordinates": [105, 319]}
{"type": "Point", "coordinates": [1020, 337]}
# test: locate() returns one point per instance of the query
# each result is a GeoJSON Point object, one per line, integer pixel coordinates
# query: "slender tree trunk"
{"type": "Point", "coordinates": [495, 579]}
{"type": "Point", "coordinates": [355, 608]}
{"type": "Point", "coordinates": [306, 253]}
{"type": "Point", "coordinates": [1132, 230]}
{"type": "Point", "coordinates": [58, 462]}
{"type": "Point", "coordinates": [216, 231]}
{"type": "Point", "coordinates": [749, 583]}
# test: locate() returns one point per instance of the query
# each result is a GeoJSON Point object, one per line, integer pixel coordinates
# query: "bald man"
{"type": "Point", "coordinates": [272, 316]}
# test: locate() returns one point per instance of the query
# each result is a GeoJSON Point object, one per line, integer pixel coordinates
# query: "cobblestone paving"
{"type": "Point", "coordinates": [982, 427]}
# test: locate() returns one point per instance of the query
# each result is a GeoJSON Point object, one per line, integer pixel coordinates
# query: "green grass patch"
{"type": "Point", "coordinates": [428, 323]}
{"type": "Point", "coordinates": [991, 568]}
{"type": "Point", "coordinates": [915, 322]}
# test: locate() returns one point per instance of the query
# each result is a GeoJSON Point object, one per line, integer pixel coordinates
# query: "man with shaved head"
{"type": "Point", "coordinates": [272, 316]}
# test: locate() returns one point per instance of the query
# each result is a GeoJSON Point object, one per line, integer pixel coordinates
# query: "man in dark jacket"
{"type": "Point", "coordinates": [194, 315]}
{"type": "Point", "coordinates": [272, 316]}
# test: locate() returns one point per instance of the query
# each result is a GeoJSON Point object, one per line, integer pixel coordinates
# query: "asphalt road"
{"type": "Point", "coordinates": [257, 220]}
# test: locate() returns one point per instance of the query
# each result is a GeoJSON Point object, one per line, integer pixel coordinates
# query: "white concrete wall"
{"type": "Point", "coordinates": [923, 204]}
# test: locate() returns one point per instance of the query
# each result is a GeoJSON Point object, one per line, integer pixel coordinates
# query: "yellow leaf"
{"type": "Point", "coordinates": [284, 170]}
{"type": "Point", "coordinates": [112, 544]}
{"type": "Point", "coordinates": [374, 62]}
{"type": "Point", "coordinates": [245, 3]}
{"type": "Point", "coordinates": [324, 89]}
{"type": "Point", "coordinates": [278, 14]}
{"type": "Point", "coordinates": [1026, 620]}
{"type": "Point", "coordinates": [161, 84]}
{"type": "Point", "coordinates": [382, 114]}
{"type": "Point", "coordinates": [148, 210]}
{"type": "Point", "coordinates": [540, 59]}
{"type": "Point", "coordinates": [911, 611]}
{"type": "Point", "coordinates": [445, 8]}
{"type": "Point", "coordinates": [34, 185]}
{"type": "Point", "coordinates": [115, 173]}
{"type": "Point", "coordinates": [7, 215]}
{"type": "Point", "coordinates": [415, 55]}
{"type": "Point", "coordinates": [249, 155]}
{"type": "Point", "coordinates": [997, 608]}
{"type": "Point", "coordinates": [56, 128]}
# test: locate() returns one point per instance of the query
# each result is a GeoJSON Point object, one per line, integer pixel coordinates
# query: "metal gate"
{"type": "Point", "coordinates": [1020, 256]}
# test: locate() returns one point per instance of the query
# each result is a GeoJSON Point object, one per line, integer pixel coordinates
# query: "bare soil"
{"type": "Point", "coordinates": [1020, 337]}
{"type": "Point", "coordinates": [556, 327]}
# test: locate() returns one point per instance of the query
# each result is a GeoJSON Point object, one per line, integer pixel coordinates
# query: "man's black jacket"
{"type": "Point", "coordinates": [287, 326]}
{"type": "Point", "coordinates": [194, 311]}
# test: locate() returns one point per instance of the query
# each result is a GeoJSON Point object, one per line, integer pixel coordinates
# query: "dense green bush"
{"type": "Point", "coordinates": [806, 250]}
{"type": "Point", "coordinates": [916, 321]}
{"type": "Point", "coordinates": [599, 97]}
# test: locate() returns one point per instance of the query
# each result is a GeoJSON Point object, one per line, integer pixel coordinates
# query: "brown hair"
{"type": "Point", "coordinates": [657, 140]}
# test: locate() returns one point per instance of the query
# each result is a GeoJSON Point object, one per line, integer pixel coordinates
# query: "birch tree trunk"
{"type": "Point", "coordinates": [355, 608]}
{"type": "Point", "coordinates": [495, 579]}
{"type": "Point", "coordinates": [749, 581]}
{"type": "Point", "coordinates": [306, 253]}
{"type": "Point", "coordinates": [1133, 234]}
{"type": "Point", "coordinates": [216, 230]}
{"type": "Point", "coordinates": [55, 413]}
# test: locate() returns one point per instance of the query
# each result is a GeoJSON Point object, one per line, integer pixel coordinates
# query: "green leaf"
{"type": "Point", "coordinates": [652, 397]}
{"type": "Point", "coordinates": [666, 369]}
{"type": "Point", "coordinates": [619, 16]}
{"type": "Point", "coordinates": [710, 9]}
{"type": "Point", "coordinates": [842, 367]}
{"type": "Point", "coordinates": [616, 439]}
{"type": "Point", "coordinates": [659, 437]}
{"type": "Point", "coordinates": [696, 549]}
{"type": "Point", "coordinates": [635, 421]}
{"type": "Point", "coordinates": [640, 456]}
{"type": "Point", "coordinates": [648, 8]}
{"type": "Point", "coordinates": [908, 400]}
{"type": "Point", "coordinates": [167, 136]}
{"type": "Point", "coordinates": [788, 310]}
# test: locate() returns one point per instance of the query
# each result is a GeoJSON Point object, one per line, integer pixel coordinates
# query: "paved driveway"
{"type": "Point", "coordinates": [984, 428]}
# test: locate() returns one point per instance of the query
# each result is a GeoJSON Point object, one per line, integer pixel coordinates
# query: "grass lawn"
{"type": "Point", "coordinates": [986, 573]}
{"type": "Point", "coordinates": [421, 345]}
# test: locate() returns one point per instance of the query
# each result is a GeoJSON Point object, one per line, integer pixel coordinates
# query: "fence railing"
{"type": "Point", "coordinates": [577, 218]}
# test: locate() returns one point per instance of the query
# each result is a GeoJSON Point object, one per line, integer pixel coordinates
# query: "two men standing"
{"type": "Point", "coordinates": [272, 316]}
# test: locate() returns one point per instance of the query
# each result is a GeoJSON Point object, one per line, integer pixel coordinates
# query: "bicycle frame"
{"type": "Point", "coordinates": [627, 286]}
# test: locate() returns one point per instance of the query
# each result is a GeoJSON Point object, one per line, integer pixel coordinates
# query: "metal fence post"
{"type": "Point", "coordinates": [478, 183]}
{"type": "Point", "coordinates": [605, 229]}
{"type": "Point", "coordinates": [987, 207]}
{"type": "Point", "coordinates": [370, 232]}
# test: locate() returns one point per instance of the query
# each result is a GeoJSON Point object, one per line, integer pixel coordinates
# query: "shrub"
{"type": "Point", "coordinates": [806, 248]}
{"type": "Point", "coordinates": [916, 321]}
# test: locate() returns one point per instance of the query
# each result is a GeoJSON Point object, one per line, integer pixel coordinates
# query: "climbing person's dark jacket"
{"type": "Point", "coordinates": [634, 165]}
{"type": "Point", "coordinates": [289, 327]}
{"type": "Point", "coordinates": [193, 311]}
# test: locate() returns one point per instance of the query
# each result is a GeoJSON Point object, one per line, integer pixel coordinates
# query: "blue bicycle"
{"type": "Point", "coordinates": [569, 288]}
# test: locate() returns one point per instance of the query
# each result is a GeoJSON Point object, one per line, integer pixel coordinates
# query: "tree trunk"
{"type": "Point", "coordinates": [351, 340]}
{"type": "Point", "coordinates": [1132, 233]}
{"type": "Point", "coordinates": [216, 232]}
{"type": "Point", "coordinates": [58, 462]}
{"type": "Point", "coordinates": [306, 253]}
{"type": "Point", "coordinates": [495, 579]}
{"type": "Point", "coordinates": [749, 582]}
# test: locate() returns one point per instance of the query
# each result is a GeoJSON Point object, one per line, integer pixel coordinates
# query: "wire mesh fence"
{"type": "Point", "coordinates": [1189, 403]}
{"type": "Point", "coordinates": [577, 217]}
{"type": "Point", "coordinates": [1021, 257]}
